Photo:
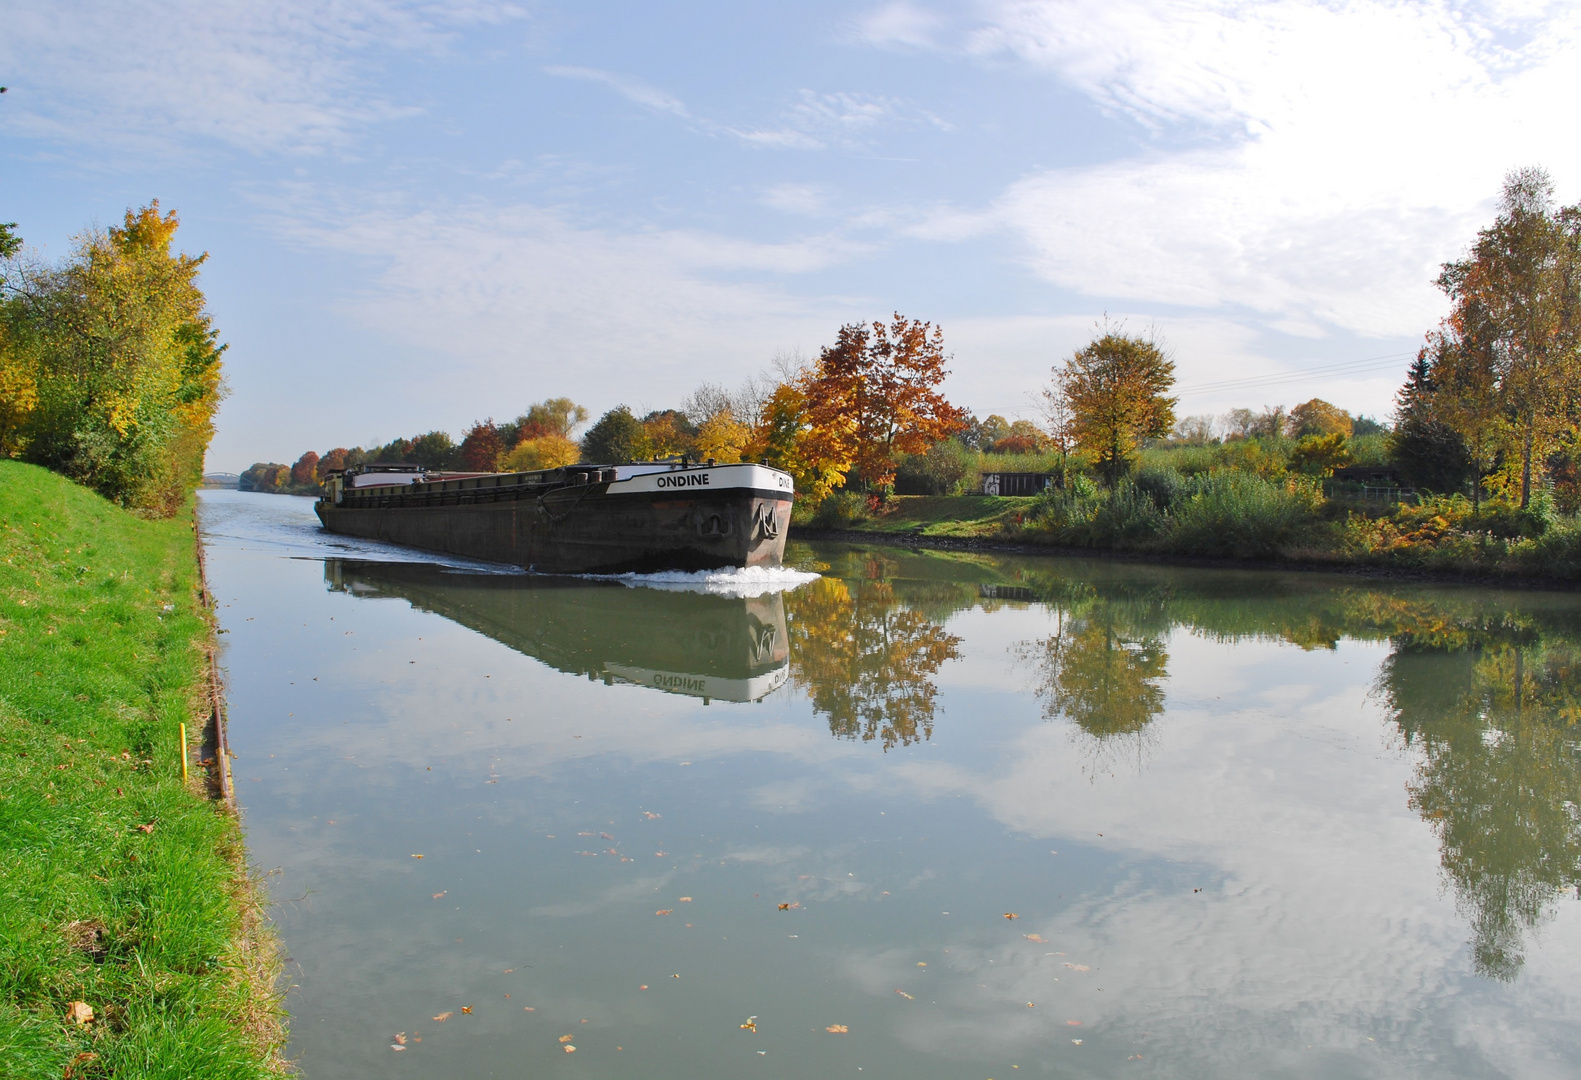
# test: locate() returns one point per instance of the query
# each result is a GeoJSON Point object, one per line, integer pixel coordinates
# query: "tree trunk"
{"type": "Point", "coordinates": [1526, 465]}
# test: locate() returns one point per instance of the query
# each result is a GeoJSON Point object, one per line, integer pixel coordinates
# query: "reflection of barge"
{"type": "Point", "coordinates": [598, 519]}
{"type": "Point", "coordinates": [727, 648]}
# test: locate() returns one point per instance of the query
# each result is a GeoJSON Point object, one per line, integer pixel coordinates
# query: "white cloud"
{"type": "Point", "coordinates": [634, 90]}
{"type": "Point", "coordinates": [519, 292]}
{"type": "Point", "coordinates": [1312, 162]}
{"type": "Point", "coordinates": [262, 78]}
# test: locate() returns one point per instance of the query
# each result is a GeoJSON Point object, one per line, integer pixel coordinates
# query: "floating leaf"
{"type": "Point", "coordinates": [417, 856]}
{"type": "Point", "coordinates": [566, 1038]}
{"type": "Point", "coordinates": [442, 1017]}
{"type": "Point", "coordinates": [922, 963]}
{"type": "Point", "coordinates": [570, 1049]}
{"type": "Point", "coordinates": [437, 895]}
{"type": "Point", "coordinates": [397, 1047]}
{"type": "Point", "coordinates": [685, 900]}
{"type": "Point", "coordinates": [1077, 967]}
{"type": "Point", "coordinates": [1073, 1023]}
{"type": "Point", "coordinates": [665, 911]}
{"type": "Point", "coordinates": [644, 986]}
{"type": "Point", "coordinates": [903, 994]}
{"type": "Point", "coordinates": [751, 1025]}
{"type": "Point", "coordinates": [1039, 938]}
{"type": "Point", "coordinates": [784, 907]}
{"type": "Point", "coordinates": [466, 1009]}
{"type": "Point", "coordinates": [1078, 1041]}
{"type": "Point", "coordinates": [650, 816]}
{"type": "Point", "coordinates": [838, 1029]}
{"type": "Point", "coordinates": [1030, 1005]}
{"type": "Point", "coordinates": [1011, 915]}
{"type": "Point", "coordinates": [606, 836]}
{"type": "Point", "coordinates": [400, 1037]}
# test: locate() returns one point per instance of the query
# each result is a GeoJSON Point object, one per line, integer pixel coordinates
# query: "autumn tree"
{"type": "Point", "coordinates": [874, 395]}
{"type": "Point", "coordinates": [555, 416]}
{"type": "Point", "coordinates": [1318, 417]}
{"type": "Point", "coordinates": [110, 362]}
{"type": "Point", "coordinates": [482, 447]}
{"type": "Point", "coordinates": [305, 472]}
{"type": "Point", "coordinates": [1517, 300]}
{"type": "Point", "coordinates": [1117, 386]}
{"type": "Point", "coordinates": [784, 439]}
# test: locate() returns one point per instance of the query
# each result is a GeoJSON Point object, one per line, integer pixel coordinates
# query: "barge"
{"type": "Point", "coordinates": [580, 519]}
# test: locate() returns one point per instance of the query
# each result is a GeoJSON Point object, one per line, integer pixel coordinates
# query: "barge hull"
{"type": "Point", "coordinates": [589, 529]}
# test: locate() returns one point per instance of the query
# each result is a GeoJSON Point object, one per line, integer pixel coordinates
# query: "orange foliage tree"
{"type": "Point", "coordinates": [874, 395]}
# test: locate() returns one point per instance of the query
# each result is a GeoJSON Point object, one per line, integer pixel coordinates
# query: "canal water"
{"type": "Point", "coordinates": [904, 814]}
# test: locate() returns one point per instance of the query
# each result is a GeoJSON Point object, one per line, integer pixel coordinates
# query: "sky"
{"type": "Point", "coordinates": [419, 215]}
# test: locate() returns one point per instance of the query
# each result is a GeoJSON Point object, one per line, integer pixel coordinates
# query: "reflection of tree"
{"type": "Point", "coordinates": [1101, 671]}
{"type": "Point", "coordinates": [1499, 779]}
{"type": "Point", "coordinates": [865, 660]}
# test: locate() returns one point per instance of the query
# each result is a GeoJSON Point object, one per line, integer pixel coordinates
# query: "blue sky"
{"type": "Point", "coordinates": [423, 214]}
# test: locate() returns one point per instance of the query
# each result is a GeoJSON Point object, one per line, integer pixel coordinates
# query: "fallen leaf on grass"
{"type": "Point", "coordinates": [149, 828]}
{"type": "Point", "coordinates": [838, 1029]}
{"type": "Point", "coordinates": [80, 1013]}
{"type": "Point", "coordinates": [81, 1059]}
{"type": "Point", "coordinates": [442, 1017]}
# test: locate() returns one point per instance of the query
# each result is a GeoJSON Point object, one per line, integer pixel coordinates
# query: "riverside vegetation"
{"type": "Point", "coordinates": [130, 942]}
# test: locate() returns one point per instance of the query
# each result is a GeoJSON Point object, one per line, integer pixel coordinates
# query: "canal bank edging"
{"type": "Point", "coordinates": [214, 749]}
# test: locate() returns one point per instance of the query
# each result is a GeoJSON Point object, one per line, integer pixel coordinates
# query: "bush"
{"type": "Point", "coordinates": [840, 510]}
{"type": "Point", "coordinates": [1081, 515]}
{"type": "Point", "coordinates": [1243, 515]}
{"type": "Point", "coordinates": [1162, 484]}
{"type": "Point", "coordinates": [946, 469]}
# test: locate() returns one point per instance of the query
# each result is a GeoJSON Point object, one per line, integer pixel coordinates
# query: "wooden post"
{"type": "Point", "coordinates": [183, 753]}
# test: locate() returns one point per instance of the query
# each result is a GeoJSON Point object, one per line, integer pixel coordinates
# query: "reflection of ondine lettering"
{"type": "Point", "coordinates": [678, 682]}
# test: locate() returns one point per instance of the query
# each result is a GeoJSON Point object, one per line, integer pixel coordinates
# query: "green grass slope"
{"type": "Point", "coordinates": [101, 658]}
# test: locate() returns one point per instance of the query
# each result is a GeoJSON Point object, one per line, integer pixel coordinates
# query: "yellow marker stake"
{"type": "Point", "coordinates": [183, 753]}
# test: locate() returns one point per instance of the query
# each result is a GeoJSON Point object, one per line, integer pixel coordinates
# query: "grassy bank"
{"type": "Point", "coordinates": [121, 887]}
{"type": "Point", "coordinates": [1241, 516]}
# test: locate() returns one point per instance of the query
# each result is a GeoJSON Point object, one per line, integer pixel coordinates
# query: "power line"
{"type": "Point", "coordinates": [1349, 367]}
